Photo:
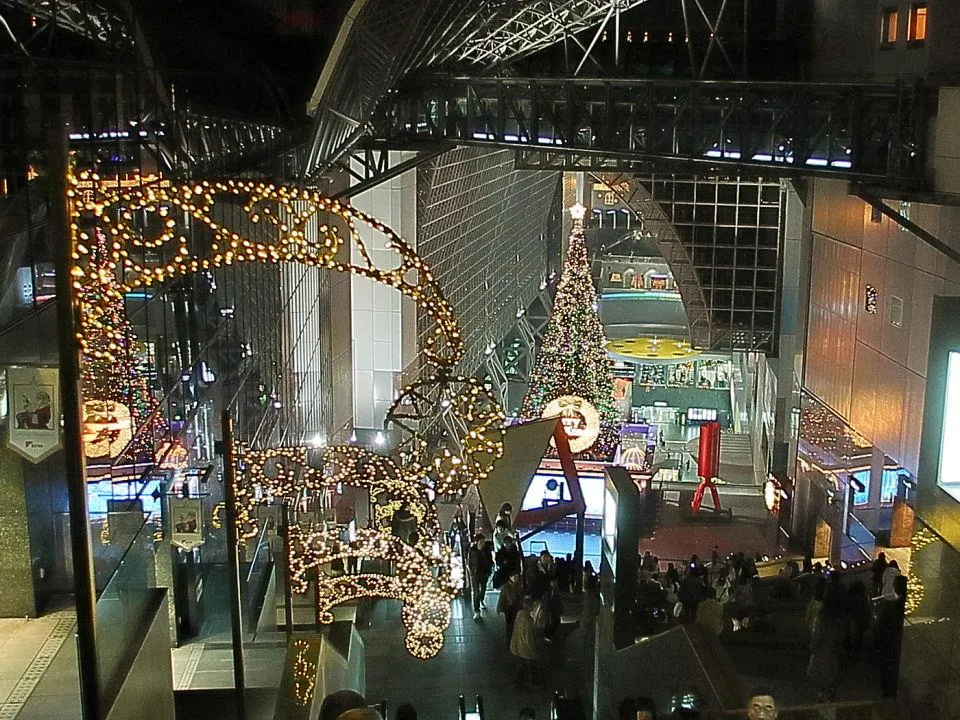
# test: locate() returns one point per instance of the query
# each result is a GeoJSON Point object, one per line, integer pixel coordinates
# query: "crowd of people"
{"type": "Point", "coordinates": [530, 591]}
{"type": "Point", "coordinates": [697, 591]}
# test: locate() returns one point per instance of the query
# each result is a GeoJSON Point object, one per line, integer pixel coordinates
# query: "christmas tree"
{"type": "Point", "coordinates": [572, 364]}
{"type": "Point", "coordinates": [117, 398]}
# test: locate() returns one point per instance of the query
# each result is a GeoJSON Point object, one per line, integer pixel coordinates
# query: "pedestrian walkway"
{"type": "Point", "coordinates": [38, 669]}
{"type": "Point", "coordinates": [474, 660]}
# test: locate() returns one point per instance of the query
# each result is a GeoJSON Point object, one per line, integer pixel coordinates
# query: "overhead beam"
{"type": "Point", "coordinates": [911, 226]}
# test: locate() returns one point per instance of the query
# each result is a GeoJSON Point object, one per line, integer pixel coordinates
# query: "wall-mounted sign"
{"type": "Point", "coordinates": [581, 421]}
{"type": "Point", "coordinates": [107, 428]}
{"type": "Point", "coordinates": [34, 404]}
{"type": "Point", "coordinates": [186, 523]}
{"type": "Point", "coordinates": [702, 414]}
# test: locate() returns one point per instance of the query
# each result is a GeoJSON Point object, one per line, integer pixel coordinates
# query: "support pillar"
{"type": "Point", "coordinates": [68, 324]}
{"type": "Point", "coordinates": [233, 565]}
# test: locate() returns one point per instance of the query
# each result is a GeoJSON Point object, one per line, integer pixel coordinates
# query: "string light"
{"type": "Point", "coordinates": [423, 580]}
{"type": "Point", "coordinates": [283, 211]}
{"type": "Point", "coordinates": [304, 673]}
{"type": "Point", "coordinates": [573, 360]}
{"type": "Point", "coordinates": [426, 575]}
{"type": "Point", "coordinates": [451, 428]}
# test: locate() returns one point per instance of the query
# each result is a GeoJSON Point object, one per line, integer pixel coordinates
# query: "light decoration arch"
{"type": "Point", "coordinates": [425, 575]}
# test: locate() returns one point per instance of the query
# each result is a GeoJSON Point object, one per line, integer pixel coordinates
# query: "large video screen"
{"type": "Point", "coordinates": [948, 473]}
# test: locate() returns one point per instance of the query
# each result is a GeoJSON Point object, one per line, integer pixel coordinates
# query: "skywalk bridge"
{"type": "Point", "coordinates": [869, 132]}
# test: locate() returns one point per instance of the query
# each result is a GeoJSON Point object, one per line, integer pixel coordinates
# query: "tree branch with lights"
{"type": "Point", "coordinates": [572, 365]}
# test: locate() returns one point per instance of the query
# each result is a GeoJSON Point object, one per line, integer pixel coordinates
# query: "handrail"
{"type": "Point", "coordinates": [126, 552]}
{"type": "Point", "coordinates": [261, 543]}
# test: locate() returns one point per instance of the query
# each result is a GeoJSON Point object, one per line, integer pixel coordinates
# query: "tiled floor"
{"type": "Point", "coordinates": [38, 671]}
{"type": "Point", "coordinates": [474, 660]}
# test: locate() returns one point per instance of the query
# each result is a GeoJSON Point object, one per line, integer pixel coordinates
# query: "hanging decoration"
{"type": "Point", "coordinates": [571, 376]}
{"type": "Point", "coordinates": [448, 456]}
{"type": "Point", "coordinates": [451, 430]}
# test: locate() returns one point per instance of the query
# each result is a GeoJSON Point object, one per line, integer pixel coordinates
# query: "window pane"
{"type": "Point", "coordinates": [918, 22]}
{"type": "Point", "coordinates": [889, 36]}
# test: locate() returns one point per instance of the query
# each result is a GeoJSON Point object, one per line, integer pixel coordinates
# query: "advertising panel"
{"type": "Point", "coordinates": [186, 523]}
{"type": "Point", "coordinates": [33, 398]}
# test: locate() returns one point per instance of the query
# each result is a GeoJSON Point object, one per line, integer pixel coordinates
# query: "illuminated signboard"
{"type": "Point", "coordinates": [706, 414]}
{"type": "Point", "coordinates": [949, 471]}
{"type": "Point", "coordinates": [581, 421]}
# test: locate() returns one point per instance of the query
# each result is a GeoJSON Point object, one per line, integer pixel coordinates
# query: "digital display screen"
{"type": "Point", "coordinates": [609, 519]}
{"type": "Point", "coordinates": [949, 471]}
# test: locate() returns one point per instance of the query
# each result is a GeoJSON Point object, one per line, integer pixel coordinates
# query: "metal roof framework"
{"type": "Point", "coordinates": [383, 41]}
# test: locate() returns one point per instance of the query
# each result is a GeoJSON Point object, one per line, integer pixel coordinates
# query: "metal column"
{"type": "Point", "coordinates": [84, 579]}
{"type": "Point", "coordinates": [233, 565]}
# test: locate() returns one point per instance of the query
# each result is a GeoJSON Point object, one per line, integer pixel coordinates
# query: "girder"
{"type": "Point", "coordinates": [92, 20]}
{"type": "Point", "coordinates": [868, 131]}
{"type": "Point", "coordinates": [383, 41]}
{"type": "Point", "coordinates": [133, 117]}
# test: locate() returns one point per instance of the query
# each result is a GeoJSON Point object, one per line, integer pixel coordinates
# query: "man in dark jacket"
{"type": "Point", "coordinates": [480, 565]}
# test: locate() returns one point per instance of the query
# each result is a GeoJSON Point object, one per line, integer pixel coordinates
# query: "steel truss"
{"type": "Point", "coordinates": [371, 166]}
{"type": "Point", "coordinates": [653, 219]}
{"type": "Point", "coordinates": [132, 116]}
{"type": "Point", "coordinates": [92, 20]}
{"type": "Point", "coordinates": [385, 40]}
{"type": "Point", "coordinates": [854, 130]}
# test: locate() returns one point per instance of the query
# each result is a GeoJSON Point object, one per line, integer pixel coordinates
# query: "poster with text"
{"type": "Point", "coordinates": [34, 409]}
{"type": "Point", "coordinates": [185, 521]}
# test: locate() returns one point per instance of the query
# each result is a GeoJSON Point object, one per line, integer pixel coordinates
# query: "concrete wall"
{"type": "Point", "coordinates": [147, 691]}
{"type": "Point", "coordinates": [866, 369]}
{"type": "Point", "coordinates": [16, 581]}
{"type": "Point", "coordinates": [846, 42]}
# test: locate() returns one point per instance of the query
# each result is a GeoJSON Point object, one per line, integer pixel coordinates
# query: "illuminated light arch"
{"type": "Point", "coordinates": [427, 575]}
{"type": "Point", "coordinates": [281, 213]}
{"type": "Point", "coordinates": [281, 471]}
{"type": "Point", "coordinates": [451, 428]}
{"type": "Point", "coordinates": [426, 599]}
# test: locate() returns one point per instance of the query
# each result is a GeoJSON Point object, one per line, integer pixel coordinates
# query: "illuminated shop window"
{"type": "Point", "coordinates": [948, 473]}
{"type": "Point", "coordinates": [888, 27]}
{"type": "Point", "coordinates": [917, 32]}
{"type": "Point", "coordinates": [870, 300]}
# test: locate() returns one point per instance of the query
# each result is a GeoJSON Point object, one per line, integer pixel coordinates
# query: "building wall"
{"type": "Point", "coordinates": [482, 227]}
{"type": "Point", "coordinates": [846, 42]}
{"type": "Point", "coordinates": [866, 369]}
{"type": "Point", "coordinates": [379, 311]}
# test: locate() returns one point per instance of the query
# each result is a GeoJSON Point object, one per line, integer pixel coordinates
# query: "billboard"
{"type": "Point", "coordinates": [34, 405]}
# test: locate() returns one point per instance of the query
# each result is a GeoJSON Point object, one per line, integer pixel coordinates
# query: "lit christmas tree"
{"type": "Point", "coordinates": [572, 365]}
{"type": "Point", "coordinates": [117, 399]}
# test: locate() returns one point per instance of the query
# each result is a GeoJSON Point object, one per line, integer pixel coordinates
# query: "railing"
{"type": "Point", "coordinates": [865, 130]}
{"type": "Point", "coordinates": [121, 607]}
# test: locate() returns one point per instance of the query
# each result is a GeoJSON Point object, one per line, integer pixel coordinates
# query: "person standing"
{"type": "Point", "coordinates": [510, 601]}
{"type": "Point", "coordinates": [888, 582]}
{"type": "Point", "coordinates": [876, 571]}
{"type": "Point", "coordinates": [525, 645]}
{"type": "Point", "coordinates": [500, 534]}
{"type": "Point", "coordinates": [480, 565]}
{"type": "Point", "coordinates": [403, 523]}
{"type": "Point", "coordinates": [827, 647]}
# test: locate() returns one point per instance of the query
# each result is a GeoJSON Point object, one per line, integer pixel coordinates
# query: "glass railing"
{"type": "Point", "coordinates": [858, 544]}
{"type": "Point", "coordinates": [122, 606]}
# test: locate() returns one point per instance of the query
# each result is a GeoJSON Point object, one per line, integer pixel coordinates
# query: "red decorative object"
{"type": "Point", "coordinates": [708, 465]}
